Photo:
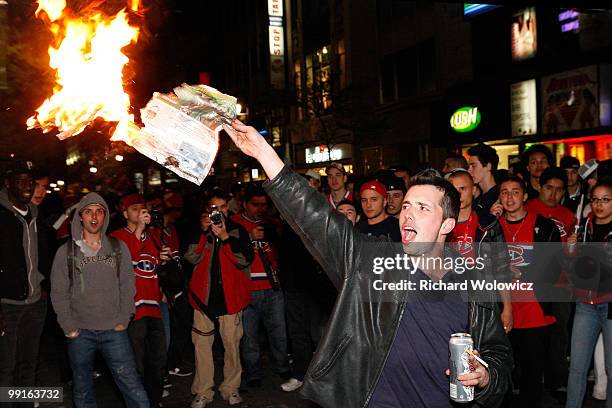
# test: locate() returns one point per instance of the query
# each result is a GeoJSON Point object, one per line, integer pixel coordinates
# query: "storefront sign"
{"type": "Point", "coordinates": [473, 9]}
{"type": "Point", "coordinates": [569, 20]}
{"type": "Point", "coordinates": [465, 119]}
{"type": "Point", "coordinates": [523, 107]}
{"type": "Point", "coordinates": [321, 154]}
{"type": "Point", "coordinates": [570, 100]}
{"type": "Point", "coordinates": [524, 34]}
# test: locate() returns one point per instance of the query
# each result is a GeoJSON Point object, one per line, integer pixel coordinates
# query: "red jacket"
{"type": "Point", "coordinates": [259, 277]}
{"type": "Point", "coordinates": [145, 258]}
{"type": "Point", "coordinates": [562, 217]}
{"type": "Point", "coordinates": [235, 255]}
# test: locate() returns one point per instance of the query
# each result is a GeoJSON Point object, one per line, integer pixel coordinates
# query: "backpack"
{"type": "Point", "coordinates": [71, 260]}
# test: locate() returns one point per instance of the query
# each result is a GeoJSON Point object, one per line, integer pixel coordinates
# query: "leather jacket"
{"type": "Point", "coordinates": [351, 356]}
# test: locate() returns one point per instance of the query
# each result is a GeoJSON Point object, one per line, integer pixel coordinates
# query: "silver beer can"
{"type": "Point", "coordinates": [458, 363]}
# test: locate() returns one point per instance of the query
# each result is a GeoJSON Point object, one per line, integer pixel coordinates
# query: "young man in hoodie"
{"type": "Point", "coordinates": [146, 330]}
{"type": "Point", "coordinates": [22, 311]}
{"type": "Point", "coordinates": [92, 290]}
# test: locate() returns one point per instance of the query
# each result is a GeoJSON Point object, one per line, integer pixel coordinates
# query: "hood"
{"type": "Point", "coordinates": [6, 203]}
{"type": "Point", "coordinates": [76, 226]}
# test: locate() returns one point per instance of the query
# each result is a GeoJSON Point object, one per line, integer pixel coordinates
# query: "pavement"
{"type": "Point", "coordinates": [268, 396]}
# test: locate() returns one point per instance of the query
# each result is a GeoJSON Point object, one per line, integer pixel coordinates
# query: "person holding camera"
{"type": "Point", "coordinates": [268, 304]}
{"type": "Point", "coordinates": [218, 291]}
{"type": "Point", "coordinates": [146, 330]}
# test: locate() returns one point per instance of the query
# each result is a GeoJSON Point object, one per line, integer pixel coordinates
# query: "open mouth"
{"type": "Point", "coordinates": [408, 234]}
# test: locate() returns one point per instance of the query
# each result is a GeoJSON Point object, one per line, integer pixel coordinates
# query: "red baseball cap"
{"type": "Point", "coordinates": [373, 185]}
{"type": "Point", "coordinates": [131, 199]}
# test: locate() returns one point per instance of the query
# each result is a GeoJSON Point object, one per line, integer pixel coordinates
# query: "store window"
{"type": "Point", "coordinates": [342, 64]}
{"type": "Point", "coordinates": [318, 80]}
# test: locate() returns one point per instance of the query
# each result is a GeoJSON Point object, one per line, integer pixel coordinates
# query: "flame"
{"type": "Point", "coordinates": [89, 71]}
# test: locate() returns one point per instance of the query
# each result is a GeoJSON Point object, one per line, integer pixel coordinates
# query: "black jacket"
{"type": "Point", "coordinates": [547, 265]}
{"type": "Point", "coordinates": [352, 354]}
{"type": "Point", "coordinates": [20, 278]}
{"type": "Point", "coordinates": [493, 250]}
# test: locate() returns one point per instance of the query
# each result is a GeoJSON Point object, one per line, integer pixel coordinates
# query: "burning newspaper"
{"type": "Point", "coordinates": [181, 130]}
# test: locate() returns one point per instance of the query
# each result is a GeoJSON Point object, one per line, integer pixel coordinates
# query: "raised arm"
{"type": "Point", "coordinates": [328, 235]}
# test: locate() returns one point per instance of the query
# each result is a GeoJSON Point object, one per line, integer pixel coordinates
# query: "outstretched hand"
{"type": "Point", "coordinates": [253, 144]}
{"type": "Point", "coordinates": [246, 138]}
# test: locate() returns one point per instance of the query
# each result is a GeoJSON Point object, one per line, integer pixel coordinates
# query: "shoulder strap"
{"type": "Point", "coordinates": [70, 261]}
{"type": "Point", "coordinates": [116, 253]}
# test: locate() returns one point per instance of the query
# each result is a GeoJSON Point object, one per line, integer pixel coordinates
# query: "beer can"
{"type": "Point", "coordinates": [458, 363]}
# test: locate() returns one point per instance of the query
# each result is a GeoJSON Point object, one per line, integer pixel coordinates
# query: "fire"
{"type": "Point", "coordinates": [89, 71]}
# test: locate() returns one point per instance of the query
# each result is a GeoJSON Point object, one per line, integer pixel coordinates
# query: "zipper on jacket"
{"type": "Point", "coordinates": [30, 259]}
{"type": "Point", "coordinates": [384, 363]}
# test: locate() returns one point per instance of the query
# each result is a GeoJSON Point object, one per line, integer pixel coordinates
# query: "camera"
{"type": "Point", "coordinates": [157, 218]}
{"type": "Point", "coordinates": [215, 215]}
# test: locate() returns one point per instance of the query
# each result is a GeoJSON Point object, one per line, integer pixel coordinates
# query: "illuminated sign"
{"type": "Point", "coordinates": [569, 20]}
{"type": "Point", "coordinates": [321, 154]}
{"type": "Point", "coordinates": [524, 34]}
{"type": "Point", "coordinates": [523, 108]}
{"type": "Point", "coordinates": [275, 8]}
{"type": "Point", "coordinates": [277, 44]}
{"type": "Point", "coordinates": [472, 9]}
{"type": "Point", "coordinates": [465, 119]}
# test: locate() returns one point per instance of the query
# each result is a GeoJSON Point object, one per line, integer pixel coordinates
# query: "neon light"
{"type": "Point", "coordinates": [465, 119]}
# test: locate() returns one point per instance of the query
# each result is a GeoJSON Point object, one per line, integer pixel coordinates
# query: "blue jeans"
{"type": "Point", "coordinates": [267, 306]}
{"type": "Point", "coordinates": [589, 321]}
{"type": "Point", "coordinates": [116, 349]}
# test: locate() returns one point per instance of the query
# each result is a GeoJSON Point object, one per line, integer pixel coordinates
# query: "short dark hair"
{"type": "Point", "coordinates": [603, 182]}
{"type": "Point", "coordinates": [459, 159]}
{"type": "Point", "coordinates": [253, 190]}
{"type": "Point", "coordinates": [514, 178]}
{"type": "Point", "coordinates": [486, 154]}
{"type": "Point", "coordinates": [451, 200]}
{"type": "Point", "coordinates": [346, 201]}
{"type": "Point", "coordinates": [537, 148]}
{"type": "Point", "coordinates": [216, 192]}
{"type": "Point", "coordinates": [553, 173]}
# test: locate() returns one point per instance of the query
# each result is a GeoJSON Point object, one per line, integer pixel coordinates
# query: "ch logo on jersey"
{"type": "Point", "coordinates": [560, 226]}
{"type": "Point", "coordinates": [520, 255]}
{"type": "Point", "coordinates": [146, 263]}
{"type": "Point", "coordinates": [465, 245]}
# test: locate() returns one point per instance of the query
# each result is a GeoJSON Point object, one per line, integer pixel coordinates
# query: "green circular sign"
{"type": "Point", "coordinates": [465, 119]}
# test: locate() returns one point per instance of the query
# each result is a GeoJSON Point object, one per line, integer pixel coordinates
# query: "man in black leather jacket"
{"type": "Point", "coordinates": [360, 353]}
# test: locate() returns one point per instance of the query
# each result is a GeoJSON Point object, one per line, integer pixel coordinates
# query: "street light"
{"type": "Point", "coordinates": [119, 157]}
{"type": "Point", "coordinates": [93, 169]}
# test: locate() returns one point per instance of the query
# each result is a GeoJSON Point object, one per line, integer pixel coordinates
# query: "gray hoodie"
{"type": "Point", "coordinates": [30, 249]}
{"type": "Point", "coordinates": [97, 300]}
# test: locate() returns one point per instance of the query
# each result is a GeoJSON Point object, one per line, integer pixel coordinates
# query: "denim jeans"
{"type": "Point", "coordinates": [19, 346]}
{"type": "Point", "coordinates": [589, 321]}
{"type": "Point", "coordinates": [267, 306]}
{"type": "Point", "coordinates": [116, 350]}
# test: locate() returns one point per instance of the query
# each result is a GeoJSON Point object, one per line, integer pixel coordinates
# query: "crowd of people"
{"type": "Point", "coordinates": [149, 286]}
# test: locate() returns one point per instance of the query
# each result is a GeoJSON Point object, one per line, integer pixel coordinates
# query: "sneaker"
{"type": "Point", "coordinates": [599, 395]}
{"type": "Point", "coordinates": [292, 385]}
{"type": "Point", "coordinates": [165, 394]}
{"type": "Point", "coordinates": [179, 372]}
{"type": "Point", "coordinates": [200, 401]}
{"type": "Point", "coordinates": [234, 398]}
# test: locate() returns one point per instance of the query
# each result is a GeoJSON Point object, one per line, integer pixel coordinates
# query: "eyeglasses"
{"type": "Point", "coordinates": [604, 200]}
